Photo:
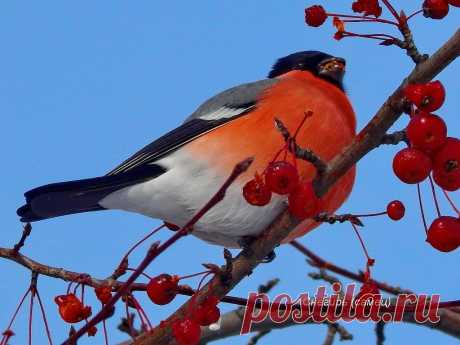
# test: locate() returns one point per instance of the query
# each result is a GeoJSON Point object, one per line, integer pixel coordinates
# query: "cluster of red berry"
{"type": "Point", "coordinates": [371, 11]}
{"type": "Point", "coordinates": [103, 293]}
{"type": "Point", "coordinates": [438, 9]}
{"type": "Point", "coordinates": [187, 330]}
{"type": "Point", "coordinates": [430, 151]}
{"type": "Point", "coordinates": [163, 288]}
{"type": "Point", "coordinates": [282, 178]}
{"type": "Point", "coordinates": [71, 308]}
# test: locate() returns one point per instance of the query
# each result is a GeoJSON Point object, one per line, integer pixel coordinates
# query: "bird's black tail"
{"type": "Point", "coordinates": [59, 199]}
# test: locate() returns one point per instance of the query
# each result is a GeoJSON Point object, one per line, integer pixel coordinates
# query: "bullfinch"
{"type": "Point", "coordinates": [175, 175]}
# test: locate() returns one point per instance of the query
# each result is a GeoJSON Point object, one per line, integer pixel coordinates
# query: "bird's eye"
{"type": "Point", "coordinates": [333, 65]}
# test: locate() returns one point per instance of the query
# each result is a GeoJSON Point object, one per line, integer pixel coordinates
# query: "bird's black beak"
{"type": "Point", "coordinates": [332, 69]}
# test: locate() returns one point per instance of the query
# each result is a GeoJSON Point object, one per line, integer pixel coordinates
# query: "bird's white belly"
{"type": "Point", "coordinates": [184, 189]}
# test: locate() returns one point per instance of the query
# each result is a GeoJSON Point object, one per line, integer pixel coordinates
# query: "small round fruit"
{"type": "Point", "coordinates": [281, 177]}
{"type": "Point", "coordinates": [186, 331]}
{"type": "Point", "coordinates": [435, 9]}
{"type": "Point", "coordinates": [303, 202]}
{"type": "Point", "coordinates": [411, 165]}
{"type": "Point", "coordinates": [162, 289]}
{"type": "Point", "coordinates": [256, 192]}
{"type": "Point", "coordinates": [444, 234]}
{"type": "Point", "coordinates": [315, 15]}
{"type": "Point", "coordinates": [427, 132]}
{"type": "Point", "coordinates": [396, 210]}
{"type": "Point", "coordinates": [71, 308]}
{"type": "Point", "coordinates": [446, 167]}
{"type": "Point", "coordinates": [206, 315]}
{"type": "Point", "coordinates": [427, 97]}
{"type": "Point", "coordinates": [103, 293]}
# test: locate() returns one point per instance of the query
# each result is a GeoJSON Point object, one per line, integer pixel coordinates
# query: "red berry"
{"type": "Point", "coordinates": [411, 165]}
{"type": "Point", "coordinates": [103, 294]}
{"type": "Point", "coordinates": [162, 289]}
{"type": "Point", "coordinates": [315, 15]}
{"type": "Point", "coordinates": [186, 331]}
{"type": "Point", "coordinates": [281, 177]}
{"type": "Point", "coordinates": [446, 167]}
{"type": "Point", "coordinates": [455, 3]}
{"type": "Point", "coordinates": [303, 202]}
{"type": "Point", "coordinates": [256, 192]}
{"type": "Point", "coordinates": [436, 9]}
{"type": "Point", "coordinates": [92, 331]}
{"type": "Point", "coordinates": [207, 313]}
{"type": "Point", "coordinates": [427, 97]}
{"type": "Point", "coordinates": [367, 7]}
{"type": "Point", "coordinates": [71, 308]}
{"type": "Point", "coordinates": [396, 210]}
{"type": "Point", "coordinates": [444, 234]}
{"type": "Point", "coordinates": [368, 288]}
{"type": "Point", "coordinates": [427, 132]}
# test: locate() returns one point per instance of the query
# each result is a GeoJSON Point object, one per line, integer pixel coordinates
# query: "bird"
{"type": "Point", "coordinates": [173, 177]}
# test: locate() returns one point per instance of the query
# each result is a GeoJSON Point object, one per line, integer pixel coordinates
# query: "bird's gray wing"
{"type": "Point", "coordinates": [217, 111]}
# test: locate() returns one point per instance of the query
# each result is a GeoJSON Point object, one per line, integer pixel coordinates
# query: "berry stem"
{"type": "Point", "coordinates": [129, 320]}
{"type": "Point", "coordinates": [141, 312]}
{"type": "Point", "coordinates": [142, 274]}
{"type": "Point", "coordinates": [193, 275]}
{"type": "Point", "coordinates": [381, 37]}
{"type": "Point", "coordinates": [104, 328]}
{"type": "Point", "coordinates": [421, 207]}
{"type": "Point", "coordinates": [392, 10]}
{"type": "Point", "coordinates": [414, 14]}
{"type": "Point", "coordinates": [435, 198]}
{"type": "Point", "coordinates": [138, 243]}
{"type": "Point", "coordinates": [31, 310]}
{"type": "Point", "coordinates": [17, 309]}
{"type": "Point", "coordinates": [370, 214]}
{"type": "Point", "coordinates": [45, 321]}
{"type": "Point", "coordinates": [361, 241]}
{"type": "Point", "coordinates": [364, 18]}
{"type": "Point", "coordinates": [451, 202]}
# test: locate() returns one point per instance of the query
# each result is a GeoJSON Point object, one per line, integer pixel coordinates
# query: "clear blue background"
{"type": "Point", "coordinates": [85, 84]}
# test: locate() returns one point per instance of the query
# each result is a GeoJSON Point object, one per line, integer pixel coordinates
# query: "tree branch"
{"type": "Point", "coordinates": [369, 138]}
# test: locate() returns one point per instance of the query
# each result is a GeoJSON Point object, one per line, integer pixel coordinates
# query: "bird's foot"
{"type": "Point", "coordinates": [269, 258]}
{"type": "Point", "coordinates": [245, 243]}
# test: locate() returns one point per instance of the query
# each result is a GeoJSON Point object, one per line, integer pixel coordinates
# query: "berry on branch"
{"type": "Point", "coordinates": [411, 165]}
{"type": "Point", "coordinates": [427, 97]}
{"type": "Point", "coordinates": [103, 293]}
{"type": "Point", "coordinates": [367, 7]}
{"type": "Point", "coordinates": [256, 192]}
{"type": "Point", "coordinates": [162, 289]}
{"type": "Point", "coordinates": [207, 313]}
{"type": "Point", "coordinates": [435, 9]}
{"type": "Point", "coordinates": [396, 210]}
{"type": "Point", "coordinates": [427, 132]}
{"type": "Point", "coordinates": [303, 202]}
{"type": "Point", "coordinates": [71, 308]}
{"type": "Point", "coordinates": [315, 15]}
{"type": "Point", "coordinates": [186, 331]}
{"type": "Point", "coordinates": [281, 177]}
{"type": "Point", "coordinates": [446, 167]}
{"type": "Point", "coordinates": [444, 234]}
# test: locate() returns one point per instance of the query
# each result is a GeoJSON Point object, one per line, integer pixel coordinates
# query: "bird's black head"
{"type": "Point", "coordinates": [323, 65]}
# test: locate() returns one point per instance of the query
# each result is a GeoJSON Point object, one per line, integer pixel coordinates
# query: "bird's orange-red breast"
{"type": "Point", "coordinates": [327, 132]}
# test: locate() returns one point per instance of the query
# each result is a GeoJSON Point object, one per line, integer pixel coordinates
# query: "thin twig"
{"type": "Point", "coordinates": [380, 332]}
{"type": "Point", "coordinates": [301, 153]}
{"type": "Point", "coordinates": [25, 234]}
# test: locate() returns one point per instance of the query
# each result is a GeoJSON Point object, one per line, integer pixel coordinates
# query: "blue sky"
{"type": "Point", "coordinates": [85, 84]}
